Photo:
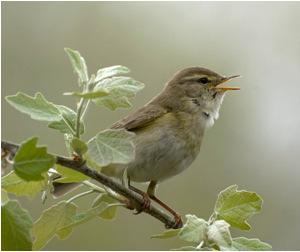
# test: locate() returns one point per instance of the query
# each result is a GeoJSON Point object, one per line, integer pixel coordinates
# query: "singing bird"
{"type": "Point", "coordinates": [169, 129]}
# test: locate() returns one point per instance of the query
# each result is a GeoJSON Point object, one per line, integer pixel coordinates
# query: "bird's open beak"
{"type": "Point", "coordinates": [224, 87]}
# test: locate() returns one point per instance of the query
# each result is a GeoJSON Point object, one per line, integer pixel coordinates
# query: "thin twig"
{"type": "Point", "coordinates": [133, 197]}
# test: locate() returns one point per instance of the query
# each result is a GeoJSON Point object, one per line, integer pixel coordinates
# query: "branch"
{"type": "Point", "coordinates": [135, 198]}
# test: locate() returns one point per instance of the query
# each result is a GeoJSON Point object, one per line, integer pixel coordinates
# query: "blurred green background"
{"type": "Point", "coordinates": [254, 144]}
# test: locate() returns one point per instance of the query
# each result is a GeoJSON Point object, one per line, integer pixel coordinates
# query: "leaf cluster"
{"type": "Point", "coordinates": [232, 209]}
{"type": "Point", "coordinates": [35, 170]}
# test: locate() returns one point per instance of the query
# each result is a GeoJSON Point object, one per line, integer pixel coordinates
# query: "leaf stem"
{"type": "Point", "coordinates": [85, 109]}
{"type": "Point", "coordinates": [79, 111]}
{"type": "Point", "coordinates": [200, 245]}
{"type": "Point", "coordinates": [82, 108]}
{"type": "Point", "coordinates": [107, 190]}
{"type": "Point", "coordinates": [212, 218]}
{"type": "Point", "coordinates": [93, 186]}
{"type": "Point", "coordinates": [116, 196]}
{"type": "Point", "coordinates": [80, 195]}
{"type": "Point", "coordinates": [69, 125]}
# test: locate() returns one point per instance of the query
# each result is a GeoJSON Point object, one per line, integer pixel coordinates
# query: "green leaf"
{"type": "Point", "coordinates": [67, 122]}
{"type": "Point", "coordinates": [15, 227]}
{"type": "Point", "coordinates": [236, 207]}
{"type": "Point", "coordinates": [120, 90]}
{"type": "Point", "coordinates": [78, 64]}
{"type": "Point", "coordinates": [186, 248]}
{"type": "Point", "coordinates": [107, 72]}
{"type": "Point", "coordinates": [89, 95]}
{"type": "Point", "coordinates": [36, 107]}
{"type": "Point", "coordinates": [12, 183]}
{"type": "Point", "coordinates": [111, 146]}
{"type": "Point", "coordinates": [83, 217]}
{"type": "Point", "coordinates": [245, 244]}
{"type": "Point", "coordinates": [4, 196]}
{"type": "Point", "coordinates": [219, 233]}
{"type": "Point", "coordinates": [30, 162]}
{"type": "Point", "coordinates": [194, 229]}
{"type": "Point", "coordinates": [167, 234]}
{"type": "Point", "coordinates": [110, 211]}
{"type": "Point", "coordinates": [192, 248]}
{"type": "Point", "coordinates": [79, 146]}
{"type": "Point", "coordinates": [69, 175]}
{"type": "Point", "coordinates": [206, 249]}
{"type": "Point", "coordinates": [51, 221]}
{"type": "Point", "coordinates": [68, 138]}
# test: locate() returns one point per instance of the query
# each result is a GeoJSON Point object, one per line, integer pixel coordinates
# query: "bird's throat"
{"type": "Point", "coordinates": [209, 111]}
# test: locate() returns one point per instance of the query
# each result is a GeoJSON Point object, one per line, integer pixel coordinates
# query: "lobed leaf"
{"type": "Point", "coordinates": [245, 244]}
{"type": "Point", "coordinates": [111, 146]}
{"type": "Point", "coordinates": [78, 64]}
{"type": "Point", "coordinates": [51, 221]}
{"type": "Point", "coordinates": [186, 248]}
{"type": "Point", "coordinates": [67, 139]}
{"type": "Point", "coordinates": [112, 204]}
{"type": "Point", "coordinates": [108, 72]}
{"type": "Point", "coordinates": [16, 224]}
{"type": "Point", "coordinates": [235, 207]}
{"type": "Point", "coordinates": [69, 175]}
{"type": "Point", "coordinates": [12, 183]}
{"type": "Point", "coordinates": [194, 229]}
{"type": "Point", "coordinates": [67, 122]}
{"type": "Point", "coordinates": [120, 90]}
{"type": "Point", "coordinates": [167, 234]}
{"type": "Point", "coordinates": [37, 107]}
{"type": "Point", "coordinates": [4, 196]}
{"type": "Point", "coordinates": [83, 217]}
{"type": "Point", "coordinates": [30, 162]}
{"type": "Point", "coordinates": [218, 233]}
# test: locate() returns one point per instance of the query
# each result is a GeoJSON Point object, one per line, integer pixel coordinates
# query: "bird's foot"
{"type": "Point", "coordinates": [129, 204]}
{"type": "Point", "coordinates": [146, 204]}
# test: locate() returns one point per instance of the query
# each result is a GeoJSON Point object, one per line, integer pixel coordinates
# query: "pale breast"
{"type": "Point", "coordinates": [165, 148]}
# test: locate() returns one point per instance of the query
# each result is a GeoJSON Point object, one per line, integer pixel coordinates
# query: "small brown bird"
{"type": "Point", "coordinates": [169, 129]}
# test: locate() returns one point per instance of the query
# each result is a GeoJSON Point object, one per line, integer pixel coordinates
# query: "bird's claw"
{"type": "Point", "coordinates": [145, 206]}
{"type": "Point", "coordinates": [129, 204]}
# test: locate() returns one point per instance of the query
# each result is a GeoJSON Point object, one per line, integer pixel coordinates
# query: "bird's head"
{"type": "Point", "coordinates": [197, 89]}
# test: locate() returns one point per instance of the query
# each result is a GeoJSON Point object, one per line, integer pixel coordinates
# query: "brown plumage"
{"type": "Point", "coordinates": [169, 129]}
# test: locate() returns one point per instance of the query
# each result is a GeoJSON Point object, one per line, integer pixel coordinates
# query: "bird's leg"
{"type": "Point", "coordinates": [151, 194]}
{"type": "Point", "coordinates": [147, 201]}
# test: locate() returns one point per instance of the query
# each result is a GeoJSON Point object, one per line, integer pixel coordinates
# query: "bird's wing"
{"type": "Point", "coordinates": [140, 118]}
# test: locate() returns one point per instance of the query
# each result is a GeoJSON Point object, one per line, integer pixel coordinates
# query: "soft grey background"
{"type": "Point", "coordinates": [254, 144]}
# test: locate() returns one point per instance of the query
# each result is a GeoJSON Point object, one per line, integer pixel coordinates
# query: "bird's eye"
{"type": "Point", "coordinates": [203, 80]}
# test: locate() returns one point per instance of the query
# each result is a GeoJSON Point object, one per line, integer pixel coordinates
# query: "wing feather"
{"type": "Point", "coordinates": [140, 118]}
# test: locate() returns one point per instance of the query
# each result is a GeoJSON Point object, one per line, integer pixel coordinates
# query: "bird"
{"type": "Point", "coordinates": [169, 130]}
